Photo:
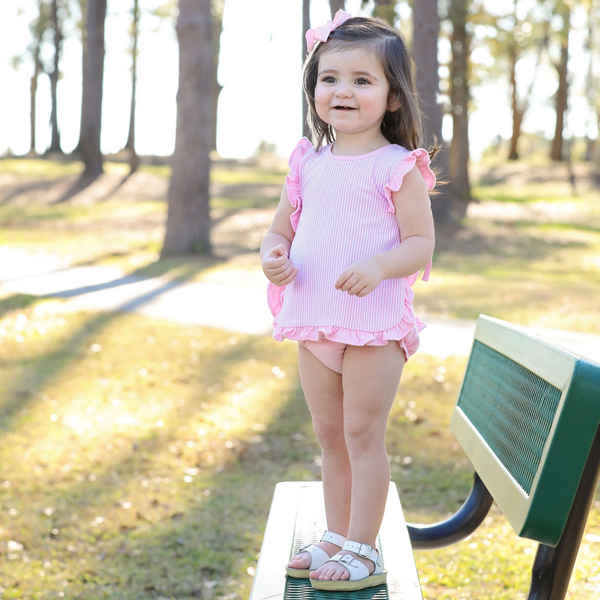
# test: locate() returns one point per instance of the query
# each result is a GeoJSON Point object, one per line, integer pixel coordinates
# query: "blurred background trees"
{"type": "Point", "coordinates": [459, 46]}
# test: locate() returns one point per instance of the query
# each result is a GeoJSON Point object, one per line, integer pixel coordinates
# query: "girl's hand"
{"type": "Point", "coordinates": [361, 278]}
{"type": "Point", "coordinates": [278, 268]}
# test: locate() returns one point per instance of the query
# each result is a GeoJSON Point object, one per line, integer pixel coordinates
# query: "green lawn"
{"type": "Point", "coordinates": [138, 456]}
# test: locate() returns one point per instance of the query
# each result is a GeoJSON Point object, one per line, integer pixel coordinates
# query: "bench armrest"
{"type": "Point", "coordinates": [459, 526]}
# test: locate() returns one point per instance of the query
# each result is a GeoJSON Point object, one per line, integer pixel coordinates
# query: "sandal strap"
{"type": "Point", "coordinates": [333, 538]}
{"type": "Point", "coordinates": [364, 551]}
{"type": "Point", "coordinates": [355, 568]}
{"type": "Point", "coordinates": [317, 556]}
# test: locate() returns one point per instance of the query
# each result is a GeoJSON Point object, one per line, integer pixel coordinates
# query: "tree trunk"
{"type": "Point", "coordinates": [216, 89]}
{"type": "Point", "coordinates": [426, 26]}
{"type": "Point", "coordinates": [82, 26]}
{"type": "Point", "coordinates": [459, 96]}
{"type": "Point", "coordinates": [336, 5]}
{"type": "Point", "coordinates": [188, 220]}
{"type": "Point", "coordinates": [562, 92]}
{"type": "Point", "coordinates": [58, 38]}
{"type": "Point", "coordinates": [386, 10]}
{"type": "Point", "coordinates": [33, 93]}
{"type": "Point", "coordinates": [305, 28]}
{"type": "Point", "coordinates": [92, 103]}
{"type": "Point", "coordinates": [591, 93]}
{"type": "Point", "coordinates": [517, 115]}
{"type": "Point", "coordinates": [38, 33]}
{"type": "Point", "coordinates": [134, 160]}
{"type": "Point", "coordinates": [520, 106]}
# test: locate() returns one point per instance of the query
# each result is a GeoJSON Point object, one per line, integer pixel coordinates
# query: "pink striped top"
{"type": "Point", "coordinates": [345, 213]}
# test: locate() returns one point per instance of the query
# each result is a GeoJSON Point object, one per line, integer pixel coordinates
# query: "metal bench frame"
{"type": "Point", "coordinates": [553, 564]}
{"type": "Point", "coordinates": [558, 527]}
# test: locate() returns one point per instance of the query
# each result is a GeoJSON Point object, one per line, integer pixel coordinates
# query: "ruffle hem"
{"type": "Point", "coordinates": [406, 332]}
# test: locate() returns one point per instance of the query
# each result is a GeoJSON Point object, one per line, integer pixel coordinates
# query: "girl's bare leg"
{"type": "Point", "coordinates": [324, 395]}
{"type": "Point", "coordinates": [371, 375]}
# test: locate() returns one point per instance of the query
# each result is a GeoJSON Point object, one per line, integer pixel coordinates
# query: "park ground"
{"type": "Point", "coordinates": [138, 455]}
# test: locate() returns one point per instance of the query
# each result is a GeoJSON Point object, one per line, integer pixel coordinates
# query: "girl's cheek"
{"type": "Point", "coordinates": [320, 100]}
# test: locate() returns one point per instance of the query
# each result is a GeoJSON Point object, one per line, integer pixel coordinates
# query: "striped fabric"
{"type": "Point", "coordinates": [345, 213]}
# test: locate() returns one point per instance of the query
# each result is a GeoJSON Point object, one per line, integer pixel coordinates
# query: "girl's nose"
{"type": "Point", "coordinates": [343, 91]}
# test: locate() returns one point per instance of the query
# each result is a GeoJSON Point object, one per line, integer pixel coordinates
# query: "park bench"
{"type": "Point", "coordinates": [527, 417]}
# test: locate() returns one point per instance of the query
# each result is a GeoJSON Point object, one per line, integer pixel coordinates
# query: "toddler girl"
{"type": "Point", "coordinates": [352, 230]}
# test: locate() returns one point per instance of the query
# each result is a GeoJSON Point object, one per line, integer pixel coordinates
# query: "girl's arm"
{"type": "Point", "coordinates": [415, 220]}
{"type": "Point", "coordinates": [275, 247]}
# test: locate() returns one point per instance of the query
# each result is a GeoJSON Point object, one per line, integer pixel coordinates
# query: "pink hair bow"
{"type": "Point", "coordinates": [320, 34]}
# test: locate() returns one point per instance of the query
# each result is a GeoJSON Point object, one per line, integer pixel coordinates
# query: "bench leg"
{"type": "Point", "coordinates": [552, 567]}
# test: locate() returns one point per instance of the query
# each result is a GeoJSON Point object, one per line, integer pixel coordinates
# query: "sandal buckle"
{"type": "Point", "coordinates": [362, 553]}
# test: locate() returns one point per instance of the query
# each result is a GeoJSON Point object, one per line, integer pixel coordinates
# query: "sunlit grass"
{"type": "Point", "coordinates": [75, 216]}
{"type": "Point", "coordinates": [532, 261]}
{"type": "Point", "coordinates": [43, 168]}
{"type": "Point", "coordinates": [128, 449]}
{"type": "Point", "coordinates": [40, 168]}
{"type": "Point", "coordinates": [139, 458]}
{"type": "Point", "coordinates": [51, 169]}
{"type": "Point", "coordinates": [526, 193]}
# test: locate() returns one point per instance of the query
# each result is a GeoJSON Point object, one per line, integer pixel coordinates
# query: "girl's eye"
{"type": "Point", "coordinates": [328, 79]}
{"type": "Point", "coordinates": [362, 81]}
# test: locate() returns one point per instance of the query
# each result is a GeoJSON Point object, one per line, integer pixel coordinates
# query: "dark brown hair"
{"type": "Point", "coordinates": [403, 126]}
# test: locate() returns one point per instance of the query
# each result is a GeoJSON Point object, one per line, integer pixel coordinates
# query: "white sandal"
{"type": "Point", "coordinates": [359, 574]}
{"type": "Point", "coordinates": [318, 557]}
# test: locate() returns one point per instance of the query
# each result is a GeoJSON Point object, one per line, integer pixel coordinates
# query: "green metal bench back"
{"type": "Point", "coordinates": [526, 417]}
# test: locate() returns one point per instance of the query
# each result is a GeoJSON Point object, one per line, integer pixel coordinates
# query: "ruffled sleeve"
{"type": "Point", "coordinates": [422, 160]}
{"type": "Point", "coordinates": [292, 181]}
{"type": "Point", "coordinates": [419, 156]}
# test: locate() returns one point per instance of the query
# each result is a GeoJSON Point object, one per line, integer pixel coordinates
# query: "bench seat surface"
{"type": "Point", "coordinates": [297, 517]}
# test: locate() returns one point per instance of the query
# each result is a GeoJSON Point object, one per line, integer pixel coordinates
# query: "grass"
{"type": "Point", "coordinates": [138, 456]}
{"type": "Point", "coordinates": [528, 252]}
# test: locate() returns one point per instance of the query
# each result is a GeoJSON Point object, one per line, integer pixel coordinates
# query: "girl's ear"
{"type": "Point", "coordinates": [394, 104]}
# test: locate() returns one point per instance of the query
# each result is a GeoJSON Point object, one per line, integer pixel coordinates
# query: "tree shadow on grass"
{"type": "Point", "coordinates": [176, 272]}
{"type": "Point", "coordinates": [176, 554]}
{"type": "Point", "coordinates": [116, 187]}
{"type": "Point", "coordinates": [209, 533]}
{"type": "Point", "coordinates": [508, 240]}
{"type": "Point", "coordinates": [60, 357]}
{"type": "Point", "coordinates": [16, 301]}
{"type": "Point", "coordinates": [80, 184]}
{"type": "Point", "coordinates": [30, 186]}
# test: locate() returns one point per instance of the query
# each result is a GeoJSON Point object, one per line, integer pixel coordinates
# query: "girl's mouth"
{"type": "Point", "coordinates": [343, 108]}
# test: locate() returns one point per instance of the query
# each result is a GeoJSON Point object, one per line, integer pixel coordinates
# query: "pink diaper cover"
{"type": "Point", "coordinates": [331, 354]}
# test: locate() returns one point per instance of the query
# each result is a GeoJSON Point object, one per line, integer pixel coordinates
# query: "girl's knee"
{"type": "Point", "coordinates": [362, 440]}
{"type": "Point", "coordinates": [330, 435]}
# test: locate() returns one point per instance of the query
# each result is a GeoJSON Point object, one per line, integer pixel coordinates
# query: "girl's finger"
{"type": "Point", "coordinates": [279, 250]}
{"type": "Point", "coordinates": [349, 283]}
{"type": "Point", "coordinates": [364, 292]}
{"type": "Point", "coordinates": [357, 287]}
{"type": "Point", "coordinates": [290, 277]}
{"type": "Point", "coordinates": [281, 260]}
{"type": "Point", "coordinates": [341, 280]}
{"type": "Point", "coordinates": [284, 269]}
{"type": "Point", "coordinates": [275, 264]}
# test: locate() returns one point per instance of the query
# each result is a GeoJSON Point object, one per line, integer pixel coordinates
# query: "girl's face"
{"type": "Point", "coordinates": [352, 91]}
